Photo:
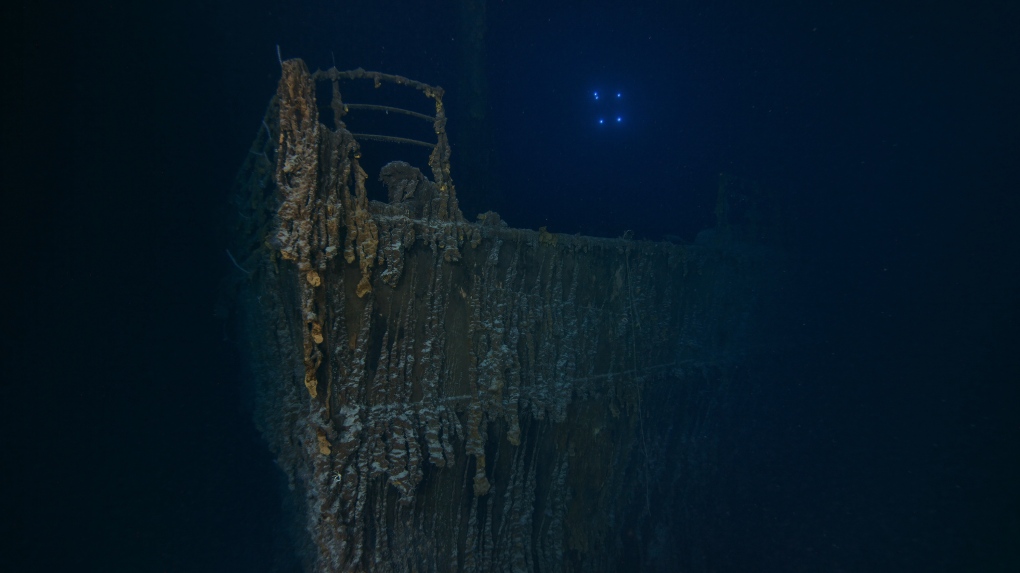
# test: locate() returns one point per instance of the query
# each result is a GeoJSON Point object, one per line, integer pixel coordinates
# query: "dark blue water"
{"type": "Point", "coordinates": [885, 439]}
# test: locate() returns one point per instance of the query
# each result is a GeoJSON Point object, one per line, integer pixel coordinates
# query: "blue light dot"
{"type": "Point", "coordinates": [601, 120]}
{"type": "Point", "coordinates": [618, 119]}
{"type": "Point", "coordinates": [618, 94]}
{"type": "Point", "coordinates": [596, 95]}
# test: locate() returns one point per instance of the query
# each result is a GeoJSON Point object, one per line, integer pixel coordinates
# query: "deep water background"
{"type": "Point", "coordinates": [885, 439]}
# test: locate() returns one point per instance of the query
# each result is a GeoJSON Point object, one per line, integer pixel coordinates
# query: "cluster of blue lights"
{"type": "Point", "coordinates": [609, 111]}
